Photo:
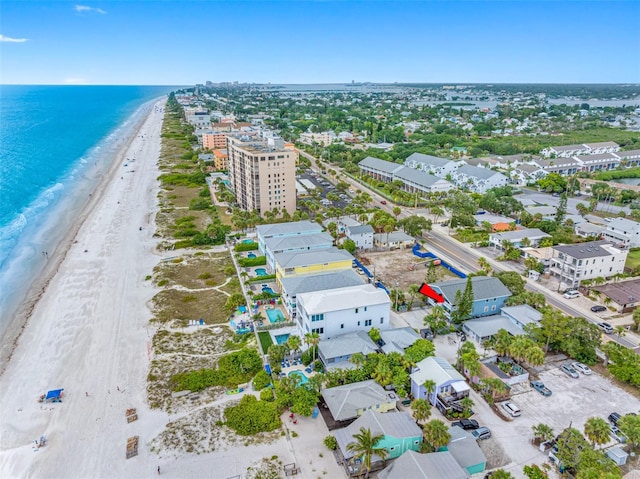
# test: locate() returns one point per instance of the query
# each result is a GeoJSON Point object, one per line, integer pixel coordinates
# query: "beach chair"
{"type": "Point", "coordinates": [282, 363]}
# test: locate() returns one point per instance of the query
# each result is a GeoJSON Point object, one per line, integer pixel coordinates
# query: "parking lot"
{"type": "Point", "coordinates": [325, 187]}
{"type": "Point", "coordinates": [572, 402]}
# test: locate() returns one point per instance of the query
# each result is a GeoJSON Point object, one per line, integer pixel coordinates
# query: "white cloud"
{"type": "Point", "coordinates": [85, 8]}
{"type": "Point", "coordinates": [12, 40]}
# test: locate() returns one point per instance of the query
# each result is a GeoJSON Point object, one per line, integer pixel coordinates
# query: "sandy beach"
{"type": "Point", "coordinates": [87, 333]}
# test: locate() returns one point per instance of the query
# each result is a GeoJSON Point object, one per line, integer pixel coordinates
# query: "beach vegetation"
{"type": "Point", "coordinates": [199, 204]}
{"type": "Point", "coordinates": [267, 395]}
{"type": "Point", "coordinates": [192, 180]}
{"type": "Point", "coordinates": [331, 442]}
{"type": "Point", "coordinates": [252, 416]}
{"type": "Point", "coordinates": [246, 247]}
{"type": "Point", "coordinates": [163, 282]}
{"type": "Point", "coordinates": [233, 369]}
{"type": "Point", "coordinates": [235, 300]}
{"type": "Point", "coordinates": [249, 262]}
{"type": "Point", "coordinates": [261, 380]}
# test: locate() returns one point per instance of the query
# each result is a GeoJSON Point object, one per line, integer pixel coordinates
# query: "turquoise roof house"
{"type": "Point", "coordinates": [399, 430]}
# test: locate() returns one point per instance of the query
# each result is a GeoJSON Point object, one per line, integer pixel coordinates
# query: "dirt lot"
{"type": "Point", "coordinates": [395, 266]}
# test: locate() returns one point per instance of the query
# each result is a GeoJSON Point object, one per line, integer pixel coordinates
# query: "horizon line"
{"type": "Point", "coordinates": [359, 83]}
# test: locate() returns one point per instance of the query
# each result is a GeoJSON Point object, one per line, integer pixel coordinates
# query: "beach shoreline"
{"type": "Point", "coordinates": [85, 328]}
{"type": "Point", "coordinates": [71, 212]}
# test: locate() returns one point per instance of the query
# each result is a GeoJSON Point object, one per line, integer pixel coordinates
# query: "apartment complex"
{"type": "Point", "coordinates": [262, 174]}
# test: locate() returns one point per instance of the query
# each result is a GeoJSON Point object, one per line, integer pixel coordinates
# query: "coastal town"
{"type": "Point", "coordinates": [426, 313]}
{"type": "Point", "coordinates": [391, 281]}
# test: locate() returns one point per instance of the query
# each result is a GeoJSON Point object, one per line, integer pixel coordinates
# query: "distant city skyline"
{"type": "Point", "coordinates": [183, 43]}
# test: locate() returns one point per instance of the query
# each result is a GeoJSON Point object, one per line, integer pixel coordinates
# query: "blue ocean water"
{"type": "Point", "coordinates": [47, 133]}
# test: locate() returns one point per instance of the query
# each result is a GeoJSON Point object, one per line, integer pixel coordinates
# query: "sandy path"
{"type": "Point", "coordinates": [88, 333]}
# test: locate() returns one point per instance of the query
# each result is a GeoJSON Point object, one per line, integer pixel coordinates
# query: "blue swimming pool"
{"type": "Point", "coordinates": [247, 241]}
{"type": "Point", "coordinates": [301, 375]}
{"type": "Point", "coordinates": [275, 316]}
{"type": "Point", "coordinates": [267, 289]}
{"type": "Point", "coordinates": [261, 272]}
{"type": "Point", "coordinates": [242, 309]}
{"type": "Point", "coordinates": [251, 255]}
{"type": "Point", "coordinates": [282, 338]}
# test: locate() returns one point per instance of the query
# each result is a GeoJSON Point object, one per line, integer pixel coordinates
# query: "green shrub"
{"type": "Point", "coordinates": [261, 381]}
{"type": "Point", "coordinates": [248, 262]}
{"type": "Point", "coordinates": [246, 246]}
{"type": "Point", "coordinates": [267, 395]}
{"type": "Point", "coordinates": [163, 282]}
{"type": "Point", "coordinates": [205, 275]}
{"type": "Point", "coordinates": [331, 442]}
{"type": "Point", "coordinates": [251, 416]}
{"type": "Point", "coordinates": [198, 204]}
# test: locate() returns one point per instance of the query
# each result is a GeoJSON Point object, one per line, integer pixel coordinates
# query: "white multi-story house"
{"type": "Point", "coordinates": [623, 232]}
{"type": "Point", "coordinates": [292, 244]}
{"type": "Point", "coordinates": [282, 230]}
{"type": "Point", "coordinates": [439, 167]}
{"type": "Point", "coordinates": [340, 311]}
{"type": "Point", "coordinates": [476, 179]}
{"type": "Point", "coordinates": [534, 235]}
{"type": "Point", "coordinates": [526, 173]}
{"type": "Point", "coordinates": [631, 157]}
{"type": "Point", "coordinates": [577, 262]}
{"type": "Point", "coordinates": [361, 235]}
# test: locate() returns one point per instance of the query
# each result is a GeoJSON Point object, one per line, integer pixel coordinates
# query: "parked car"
{"type": "Point", "coordinates": [384, 202]}
{"type": "Point", "coordinates": [541, 388]}
{"type": "Point", "coordinates": [571, 295]}
{"type": "Point", "coordinates": [606, 327]}
{"type": "Point", "coordinates": [614, 417]}
{"type": "Point", "coordinates": [583, 368]}
{"type": "Point", "coordinates": [481, 433]}
{"type": "Point", "coordinates": [511, 409]}
{"type": "Point", "coordinates": [466, 424]}
{"type": "Point", "coordinates": [617, 434]}
{"type": "Point", "coordinates": [598, 309]}
{"type": "Point", "coordinates": [568, 290]}
{"type": "Point", "coordinates": [569, 371]}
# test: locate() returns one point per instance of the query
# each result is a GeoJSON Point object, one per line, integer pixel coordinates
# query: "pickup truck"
{"type": "Point", "coordinates": [541, 388]}
{"type": "Point", "coordinates": [466, 424]}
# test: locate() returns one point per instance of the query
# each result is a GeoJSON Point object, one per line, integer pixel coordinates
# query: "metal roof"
{"type": "Point", "coordinates": [591, 249]}
{"type": "Point", "coordinates": [435, 465]}
{"type": "Point", "coordinates": [344, 401]}
{"type": "Point", "coordinates": [427, 159]}
{"type": "Point", "coordinates": [380, 165]}
{"type": "Point", "coordinates": [306, 258]}
{"type": "Point", "coordinates": [346, 345]}
{"type": "Point", "coordinates": [398, 339]}
{"type": "Point", "coordinates": [490, 325]}
{"type": "Point", "coordinates": [339, 299]}
{"type": "Point", "coordinates": [295, 227]}
{"type": "Point", "coordinates": [484, 287]}
{"type": "Point", "coordinates": [294, 285]}
{"type": "Point", "coordinates": [435, 368]}
{"type": "Point", "coordinates": [311, 240]}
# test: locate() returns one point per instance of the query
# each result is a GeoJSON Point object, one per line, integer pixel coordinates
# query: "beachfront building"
{"type": "Point", "coordinates": [340, 311]}
{"type": "Point", "coordinates": [399, 432]}
{"type": "Point", "coordinates": [623, 232]}
{"type": "Point", "coordinates": [574, 263]}
{"type": "Point", "coordinates": [292, 286]}
{"type": "Point", "coordinates": [489, 295]}
{"type": "Point", "coordinates": [262, 174]}
{"type": "Point", "coordinates": [350, 401]}
{"type": "Point", "coordinates": [221, 159]}
{"type": "Point", "coordinates": [291, 244]}
{"type": "Point", "coordinates": [361, 235]}
{"type": "Point", "coordinates": [282, 230]}
{"type": "Point", "coordinates": [309, 262]}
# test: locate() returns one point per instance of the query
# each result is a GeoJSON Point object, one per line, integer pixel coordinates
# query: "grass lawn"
{"type": "Point", "coordinates": [265, 341]}
{"type": "Point", "coordinates": [633, 259]}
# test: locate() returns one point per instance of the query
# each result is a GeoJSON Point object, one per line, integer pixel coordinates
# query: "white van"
{"type": "Point", "coordinates": [511, 409]}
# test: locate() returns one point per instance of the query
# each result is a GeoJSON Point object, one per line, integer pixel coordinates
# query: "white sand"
{"type": "Point", "coordinates": [89, 333]}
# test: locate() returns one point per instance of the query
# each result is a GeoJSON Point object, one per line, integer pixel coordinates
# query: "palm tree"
{"type": "Point", "coordinates": [294, 343]}
{"type": "Point", "coordinates": [493, 386]}
{"type": "Point", "coordinates": [312, 340]}
{"type": "Point", "coordinates": [430, 386]}
{"type": "Point", "coordinates": [543, 432]}
{"type": "Point", "coordinates": [596, 429]}
{"type": "Point", "coordinates": [358, 359]}
{"type": "Point", "coordinates": [484, 265]}
{"type": "Point", "coordinates": [413, 291]}
{"type": "Point", "coordinates": [501, 474]}
{"type": "Point", "coordinates": [421, 409]}
{"type": "Point", "coordinates": [382, 374]}
{"type": "Point", "coordinates": [365, 446]}
{"type": "Point", "coordinates": [467, 404]}
{"type": "Point", "coordinates": [436, 434]}
{"type": "Point", "coordinates": [315, 382]}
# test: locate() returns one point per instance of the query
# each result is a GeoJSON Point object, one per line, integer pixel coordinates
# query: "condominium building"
{"type": "Point", "coordinates": [262, 174]}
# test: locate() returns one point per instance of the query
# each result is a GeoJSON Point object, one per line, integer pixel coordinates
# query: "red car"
{"type": "Point", "coordinates": [383, 202]}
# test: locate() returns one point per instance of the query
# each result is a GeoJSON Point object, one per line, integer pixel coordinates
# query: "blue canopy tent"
{"type": "Point", "coordinates": [55, 395]}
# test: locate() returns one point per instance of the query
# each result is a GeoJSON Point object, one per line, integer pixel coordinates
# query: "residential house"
{"type": "Point", "coordinates": [546, 212]}
{"type": "Point", "coordinates": [292, 244]}
{"type": "Point", "coordinates": [335, 353]}
{"type": "Point", "coordinates": [350, 401]}
{"type": "Point", "coordinates": [309, 262]}
{"type": "Point", "coordinates": [291, 286]}
{"type": "Point", "coordinates": [586, 229]}
{"type": "Point", "coordinates": [435, 465]}
{"type": "Point", "coordinates": [625, 295]}
{"type": "Point", "coordinates": [342, 223]}
{"type": "Point", "coordinates": [439, 167]}
{"type": "Point", "coordinates": [527, 173]}
{"type": "Point", "coordinates": [466, 451]}
{"type": "Point", "coordinates": [576, 262]}
{"type": "Point", "coordinates": [602, 147]}
{"type": "Point", "coordinates": [393, 240]}
{"type": "Point", "coordinates": [568, 151]}
{"type": "Point", "coordinates": [335, 312]}
{"type": "Point", "coordinates": [398, 339]}
{"type": "Point", "coordinates": [477, 180]}
{"type": "Point", "coordinates": [279, 230]}
{"type": "Point", "coordinates": [623, 232]}
{"type": "Point", "coordinates": [630, 158]}
{"type": "Point", "coordinates": [497, 222]}
{"type": "Point", "coordinates": [522, 315]}
{"type": "Point", "coordinates": [516, 237]}
{"type": "Point", "coordinates": [450, 386]}
{"type": "Point", "coordinates": [560, 165]}
{"type": "Point", "coordinates": [399, 432]}
{"type": "Point", "coordinates": [361, 235]}
{"type": "Point", "coordinates": [489, 295]}
{"type": "Point", "coordinates": [483, 329]}
{"type": "Point", "coordinates": [378, 169]}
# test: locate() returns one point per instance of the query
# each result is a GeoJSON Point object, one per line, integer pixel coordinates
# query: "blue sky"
{"type": "Point", "coordinates": [182, 43]}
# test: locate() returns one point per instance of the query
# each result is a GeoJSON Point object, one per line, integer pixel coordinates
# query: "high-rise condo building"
{"type": "Point", "coordinates": [262, 174]}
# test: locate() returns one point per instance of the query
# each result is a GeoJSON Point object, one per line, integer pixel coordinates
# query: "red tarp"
{"type": "Point", "coordinates": [429, 292]}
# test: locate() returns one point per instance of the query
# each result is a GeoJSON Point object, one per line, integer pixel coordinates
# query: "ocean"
{"type": "Point", "coordinates": [55, 144]}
